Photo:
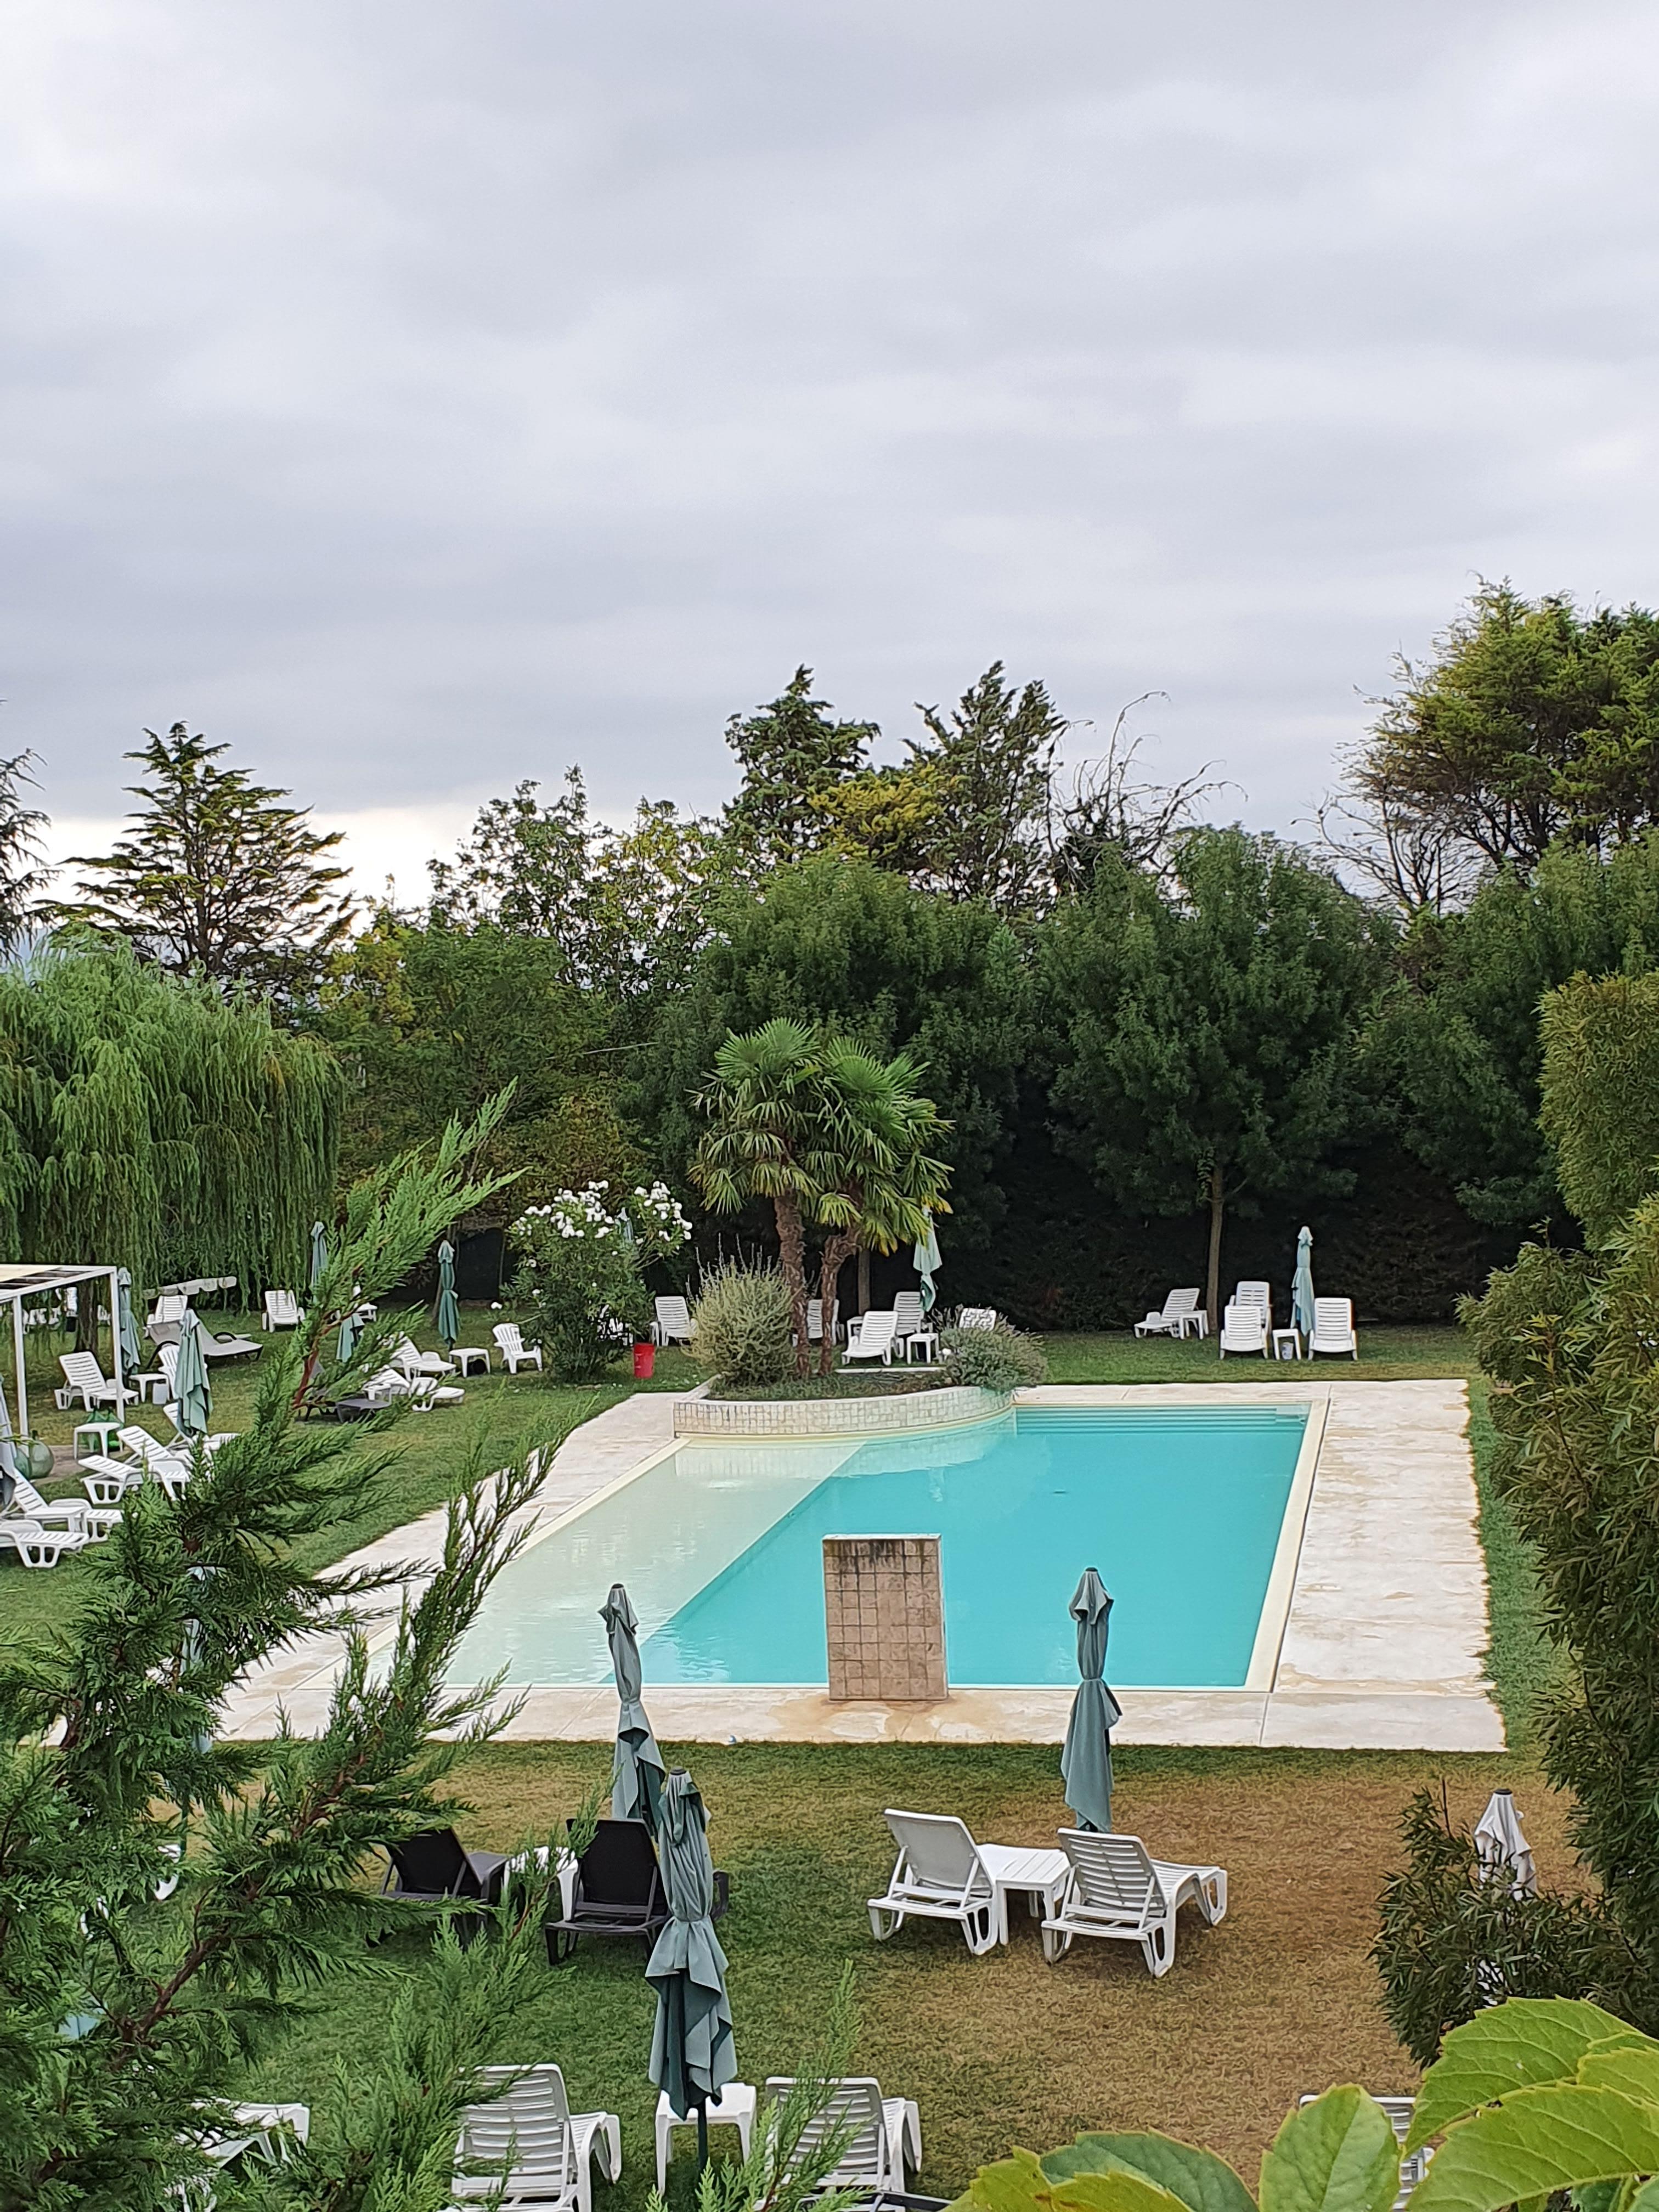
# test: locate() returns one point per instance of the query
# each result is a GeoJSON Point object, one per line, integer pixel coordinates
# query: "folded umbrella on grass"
{"type": "Point", "coordinates": [637, 1783]}
{"type": "Point", "coordinates": [693, 2054]}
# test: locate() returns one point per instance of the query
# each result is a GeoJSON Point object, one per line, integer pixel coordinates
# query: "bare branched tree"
{"type": "Point", "coordinates": [1410, 857]}
{"type": "Point", "coordinates": [1105, 806]}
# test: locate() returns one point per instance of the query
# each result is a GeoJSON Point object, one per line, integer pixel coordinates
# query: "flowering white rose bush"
{"type": "Point", "coordinates": [582, 1259]}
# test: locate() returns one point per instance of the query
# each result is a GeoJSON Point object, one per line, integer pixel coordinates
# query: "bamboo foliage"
{"type": "Point", "coordinates": [153, 1122]}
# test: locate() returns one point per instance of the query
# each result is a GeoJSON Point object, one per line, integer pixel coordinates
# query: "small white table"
{"type": "Point", "coordinates": [1041, 1875]}
{"type": "Point", "coordinates": [103, 1431]}
{"type": "Point", "coordinates": [1198, 1322]}
{"type": "Point", "coordinates": [1287, 1344]}
{"type": "Point", "coordinates": [462, 1355]}
{"type": "Point", "coordinates": [927, 1338]}
{"type": "Point", "coordinates": [734, 2108]}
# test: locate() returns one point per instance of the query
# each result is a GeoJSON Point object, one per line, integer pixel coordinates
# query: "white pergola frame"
{"type": "Point", "coordinates": [24, 1279]}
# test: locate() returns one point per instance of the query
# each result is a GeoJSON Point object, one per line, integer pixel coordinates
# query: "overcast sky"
{"type": "Point", "coordinates": [423, 397]}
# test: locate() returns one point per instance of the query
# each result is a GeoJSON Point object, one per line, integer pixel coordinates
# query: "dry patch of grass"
{"type": "Point", "coordinates": [1279, 1999]}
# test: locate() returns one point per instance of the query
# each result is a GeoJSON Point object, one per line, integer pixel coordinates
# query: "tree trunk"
{"type": "Point", "coordinates": [1212, 1297]}
{"type": "Point", "coordinates": [864, 1279]}
{"type": "Point", "coordinates": [792, 1254]}
{"type": "Point", "coordinates": [836, 1253]}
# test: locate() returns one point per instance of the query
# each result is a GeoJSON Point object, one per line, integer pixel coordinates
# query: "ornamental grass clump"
{"type": "Point", "coordinates": [742, 1327]}
{"type": "Point", "coordinates": [1000, 1358]}
{"type": "Point", "coordinates": [582, 1264]}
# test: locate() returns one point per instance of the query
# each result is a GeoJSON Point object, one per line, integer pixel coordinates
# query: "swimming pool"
{"type": "Point", "coordinates": [1183, 1511]}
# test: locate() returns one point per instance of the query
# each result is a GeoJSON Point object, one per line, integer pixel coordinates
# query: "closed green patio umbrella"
{"type": "Point", "coordinates": [1301, 1290]}
{"type": "Point", "coordinates": [449, 1316]}
{"type": "Point", "coordinates": [636, 1780]}
{"type": "Point", "coordinates": [927, 1264]}
{"type": "Point", "coordinates": [319, 1252]}
{"type": "Point", "coordinates": [1085, 1763]}
{"type": "Point", "coordinates": [132, 1348]}
{"type": "Point", "coordinates": [692, 2053]}
{"type": "Point", "coordinates": [192, 1394]}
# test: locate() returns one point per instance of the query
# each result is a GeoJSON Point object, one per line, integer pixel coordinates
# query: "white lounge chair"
{"type": "Point", "coordinates": [884, 2134]}
{"type": "Point", "coordinates": [1399, 2110]}
{"type": "Point", "coordinates": [106, 1480]}
{"type": "Point", "coordinates": [978, 1317]}
{"type": "Point", "coordinates": [157, 1463]}
{"type": "Point", "coordinates": [409, 1359]}
{"type": "Point", "coordinates": [815, 1321]}
{"type": "Point", "coordinates": [37, 1546]}
{"type": "Point", "coordinates": [84, 1378]}
{"type": "Point", "coordinates": [871, 1337]}
{"type": "Point", "coordinates": [515, 1352]}
{"type": "Point", "coordinates": [1255, 1294]}
{"type": "Point", "coordinates": [1117, 1890]}
{"type": "Point", "coordinates": [939, 1875]}
{"type": "Point", "coordinates": [673, 1322]}
{"type": "Point", "coordinates": [423, 1392]}
{"type": "Point", "coordinates": [282, 1310]}
{"type": "Point", "coordinates": [942, 1873]}
{"type": "Point", "coordinates": [1245, 1328]}
{"type": "Point", "coordinates": [1333, 1328]}
{"type": "Point", "coordinates": [1180, 1310]}
{"type": "Point", "coordinates": [908, 1318]}
{"type": "Point", "coordinates": [96, 1521]}
{"type": "Point", "coordinates": [547, 2151]}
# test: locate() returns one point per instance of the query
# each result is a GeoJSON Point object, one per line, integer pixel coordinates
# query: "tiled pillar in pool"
{"type": "Point", "coordinates": [883, 1610]}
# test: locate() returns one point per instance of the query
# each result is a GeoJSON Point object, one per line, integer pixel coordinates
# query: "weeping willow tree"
{"type": "Point", "coordinates": [153, 1122]}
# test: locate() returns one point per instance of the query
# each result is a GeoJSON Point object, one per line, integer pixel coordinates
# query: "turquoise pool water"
{"type": "Point", "coordinates": [720, 1546]}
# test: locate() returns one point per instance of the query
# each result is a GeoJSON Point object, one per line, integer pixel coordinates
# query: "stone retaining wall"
{"type": "Point", "coordinates": [836, 1417]}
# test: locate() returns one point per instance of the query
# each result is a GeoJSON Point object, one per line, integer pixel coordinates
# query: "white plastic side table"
{"type": "Point", "coordinates": [102, 1433]}
{"type": "Point", "coordinates": [1287, 1344]}
{"type": "Point", "coordinates": [734, 2108]}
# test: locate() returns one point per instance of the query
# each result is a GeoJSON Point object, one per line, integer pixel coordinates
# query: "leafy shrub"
{"type": "Point", "coordinates": [1000, 1358]}
{"type": "Point", "coordinates": [581, 1271]}
{"type": "Point", "coordinates": [741, 1329]}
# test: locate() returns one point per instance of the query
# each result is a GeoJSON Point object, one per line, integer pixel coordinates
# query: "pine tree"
{"type": "Point", "coordinates": [217, 876]}
{"type": "Point", "coordinates": [793, 755]}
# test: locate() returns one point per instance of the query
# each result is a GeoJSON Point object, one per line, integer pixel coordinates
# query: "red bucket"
{"type": "Point", "coordinates": [645, 1362]}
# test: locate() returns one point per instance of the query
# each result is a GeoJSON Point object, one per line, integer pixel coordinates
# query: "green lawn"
{"type": "Point", "coordinates": [1279, 1999]}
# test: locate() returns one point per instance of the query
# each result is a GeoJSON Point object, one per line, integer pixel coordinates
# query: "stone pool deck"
{"type": "Point", "coordinates": [1381, 1646]}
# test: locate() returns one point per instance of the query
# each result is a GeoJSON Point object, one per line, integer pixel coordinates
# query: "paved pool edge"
{"type": "Point", "coordinates": [1380, 1648]}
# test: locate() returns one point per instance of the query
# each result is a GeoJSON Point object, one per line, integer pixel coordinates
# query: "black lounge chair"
{"type": "Point", "coordinates": [437, 1865]}
{"type": "Point", "coordinates": [618, 1890]}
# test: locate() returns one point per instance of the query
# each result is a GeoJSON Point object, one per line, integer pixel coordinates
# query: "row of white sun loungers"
{"type": "Point", "coordinates": [1247, 1323]}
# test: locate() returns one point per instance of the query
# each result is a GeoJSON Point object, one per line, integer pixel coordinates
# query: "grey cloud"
{"type": "Point", "coordinates": [421, 397]}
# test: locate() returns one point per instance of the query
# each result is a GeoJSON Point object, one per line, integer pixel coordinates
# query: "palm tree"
{"type": "Point", "coordinates": [762, 1102]}
{"type": "Point", "coordinates": [878, 1184]}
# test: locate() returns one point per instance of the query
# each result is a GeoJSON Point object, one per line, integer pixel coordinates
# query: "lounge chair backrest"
{"type": "Point", "coordinates": [1252, 1294]}
{"type": "Point", "coordinates": [505, 1333]}
{"type": "Point", "coordinates": [529, 2126]}
{"type": "Point", "coordinates": [673, 1317]}
{"type": "Point", "coordinates": [815, 1320]}
{"type": "Point", "coordinates": [1179, 1302]}
{"type": "Point", "coordinates": [619, 1866]}
{"type": "Point", "coordinates": [1247, 1321]}
{"type": "Point", "coordinates": [854, 2105]}
{"type": "Point", "coordinates": [433, 1864]}
{"type": "Point", "coordinates": [25, 1498]}
{"type": "Point", "coordinates": [1333, 1316]}
{"type": "Point", "coordinates": [81, 1370]}
{"type": "Point", "coordinates": [170, 1306]}
{"type": "Point", "coordinates": [166, 1358]}
{"type": "Point", "coordinates": [876, 1330]}
{"type": "Point", "coordinates": [906, 1306]}
{"type": "Point", "coordinates": [978, 1317]}
{"type": "Point", "coordinates": [145, 1447]}
{"type": "Point", "coordinates": [939, 1848]}
{"type": "Point", "coordinates": [1114, 1873]}
{"type": "Point", "coordinates": [281, 1309]}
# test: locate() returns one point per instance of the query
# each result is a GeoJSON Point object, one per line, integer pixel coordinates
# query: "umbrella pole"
{"type": "Point", "coordinates": [703, 2136]}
